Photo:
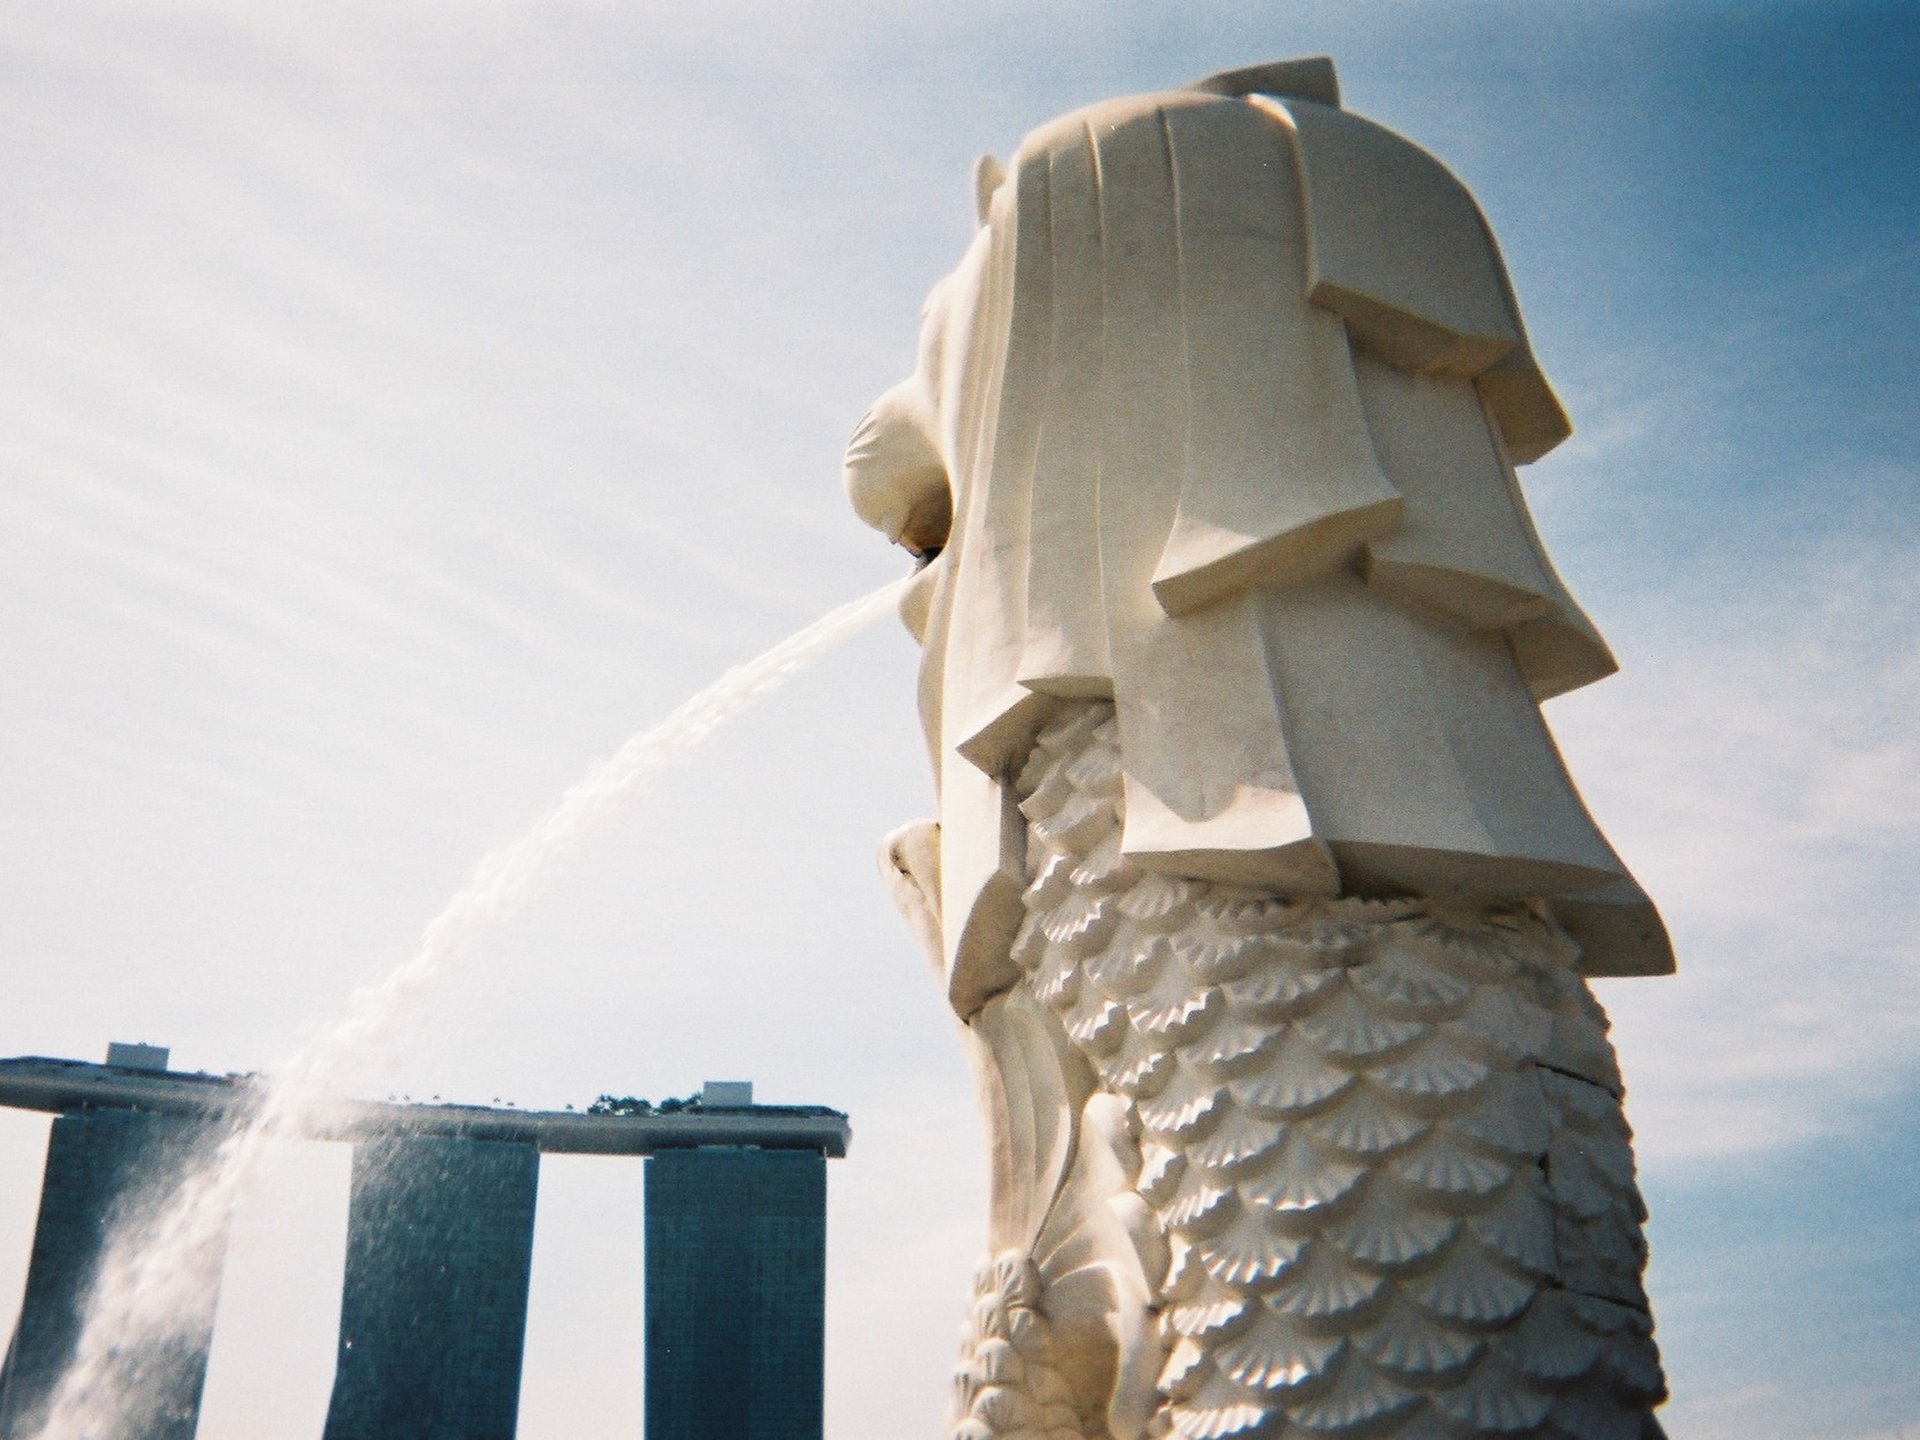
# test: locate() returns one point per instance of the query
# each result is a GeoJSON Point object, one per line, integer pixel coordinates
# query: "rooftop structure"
{"type": "Point", "coordinates": [439, 1247]}
{"type": "Point", "coordinates": [723, 1113]}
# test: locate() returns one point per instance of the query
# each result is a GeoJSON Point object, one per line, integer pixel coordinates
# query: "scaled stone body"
{"type": "Point", "coordinates": [1259, 883]}
{"type": "Point", "coordinates": [1380, 1141]}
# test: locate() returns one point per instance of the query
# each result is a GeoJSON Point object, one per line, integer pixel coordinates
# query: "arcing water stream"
{"type": "Point", "coordinates": [158, 1254]}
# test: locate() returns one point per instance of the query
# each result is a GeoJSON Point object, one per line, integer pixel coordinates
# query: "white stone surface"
{"type": "Point", "coordinates": [1218, 419]}
{"type": "Point", "coordinates": [1259, 881]}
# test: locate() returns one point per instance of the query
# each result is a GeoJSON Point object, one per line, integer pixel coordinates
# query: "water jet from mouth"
{"type": "Point", "coordinates": [157, 1253]}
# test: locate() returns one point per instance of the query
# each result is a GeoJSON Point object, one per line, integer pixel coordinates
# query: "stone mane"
{"type": "Point", "coordinates": [1218, 419]}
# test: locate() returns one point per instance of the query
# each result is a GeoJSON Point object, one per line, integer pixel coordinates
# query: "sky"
{"type": "Point", "coordinates": [403, 403]}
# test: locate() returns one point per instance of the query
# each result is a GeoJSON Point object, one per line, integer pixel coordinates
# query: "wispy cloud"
{"type": "Point", "coordinates": [403, 401]}
{"type": "Point", "coordinates": [1759, 766]}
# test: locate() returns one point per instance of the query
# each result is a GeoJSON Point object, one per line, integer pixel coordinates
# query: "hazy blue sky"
{"type": "Point", "coordinates": [401, 403]}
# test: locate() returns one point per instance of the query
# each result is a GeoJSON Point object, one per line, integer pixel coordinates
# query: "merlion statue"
{"type": "Point", "coordinates": [1260, 888]}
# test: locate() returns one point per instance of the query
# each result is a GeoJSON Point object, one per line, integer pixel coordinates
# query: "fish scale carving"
{"type": "Point", "coordinates": [1383, 1141]}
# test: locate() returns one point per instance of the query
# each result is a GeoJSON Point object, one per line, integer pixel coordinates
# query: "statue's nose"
{"type": "Point", "coordinates": [895, 477]}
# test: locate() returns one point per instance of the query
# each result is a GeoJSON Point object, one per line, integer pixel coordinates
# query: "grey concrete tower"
{"type": "Point", "coordinates": [433, 1314]}
{"type": "Point", "coordinates": [736, 1293]}
{"type": "Point", "coordinates": [103, 1165]}
{"type": "Point", "coordinates": [439, 1249]}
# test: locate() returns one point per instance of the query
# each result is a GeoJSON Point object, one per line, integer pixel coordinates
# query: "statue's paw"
{"type": "Point", "coordinates": [1008, 1384]}
{"type": "Point", "coordinates": [910, 864]}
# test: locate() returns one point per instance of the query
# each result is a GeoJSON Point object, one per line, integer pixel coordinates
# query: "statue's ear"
{"type": "Point", "coordinates": [987, 175]}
